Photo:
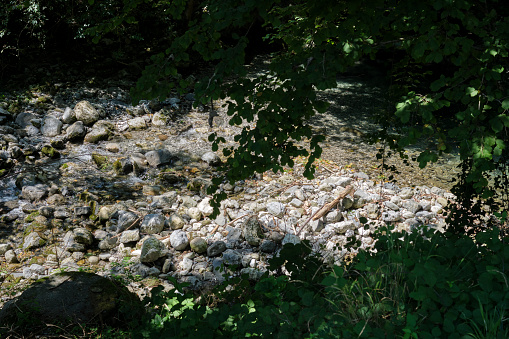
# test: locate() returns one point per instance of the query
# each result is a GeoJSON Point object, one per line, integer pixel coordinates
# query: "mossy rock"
{"type": "Point", "coordinates": [50, 152]}
{"type": "Point", "coordinates": [67, 299]}
{"type": "Point", "coordinates": [100, 160]}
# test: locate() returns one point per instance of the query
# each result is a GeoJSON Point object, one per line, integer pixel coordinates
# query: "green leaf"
{"type": "Point", "coordinates": [472, 91]}
{"type": "Point", "coordinates": [439, 83]}
{"type": "Point", "coordinates": [505, 104]}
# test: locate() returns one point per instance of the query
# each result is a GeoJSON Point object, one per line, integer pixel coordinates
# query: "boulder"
{"type": "Point", "coordinates": [152, 223]}
{"type": "Point", "coordinates": [51, 127]}
{"type": "Point", "coordinates": [70, 298]}
{"type": "Point", "coordinates": [252, 231]}
{"type": "Point", "coordinates": [152, 249]}
{"type": "Point", "coordinates": [85, 112]}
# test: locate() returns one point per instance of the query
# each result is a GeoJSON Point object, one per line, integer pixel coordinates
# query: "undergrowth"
{"type": "Point", "coordinates": [413, 285]}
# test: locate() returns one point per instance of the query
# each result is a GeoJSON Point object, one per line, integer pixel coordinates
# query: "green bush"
{"type": "Point", "coordinates": [425, 285]}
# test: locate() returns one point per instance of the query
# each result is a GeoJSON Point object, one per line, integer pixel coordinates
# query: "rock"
{"type": "Point", "coordinates": [391, 205]}
{"type": "Point", "coordinates": [71, 244]}
{"type": "Point", "coordinates": [204, 207]}
{"type": "Point", "coordinates": [188, 201]}
{"type": "Point", "coordinates": [216, 248]}
{"type": "Point", "coordinates": [32, 241]}
{"type": "Point", "coordinates": [343, 226]}
{"type": "Point", "coordinates": [97, 134]}
{"type": "Point", "coordinates": [86, 113]}
{"type": "Point", "coordinates": [406, 193]}
{"type": "Point", "coordinates": [411, 206]}
{"type": "Point", "coordinates": [442, 201]}
{"type": "Point", "coordinates": [83, 236]}
{"type": "Point", "coordinates": [152, 249]}
{"type": "Point", "coordinates": [160, 119]}
{"type": "Point", "coordinates": [232, 257]}
{"type": "Point", "coordinates": [82, 211]}
{"type": "Point", "coordinates": [158, 157]}
{"type": "Point", "coordinates": [72, 298]}
{"type": "Point", "coordinates": [123, 166]}
{"type": "Point", "coordinates": [126, 219]}
{"type": "Point", "coordinates": [33, 193]}
{"type": "Point", "coordinates": [51, 127]}
{"type": "Point", "coordinates": [211, 158]}
{"type": "Point", "coordinates": [234, 235]}
{"type": "Point", "coordinates": [176, 222]}
{"type": "Point", "coordinates": [108, 243]}
{"type": "Point", "coordinates": [268, 246]}
{"type": "Point", "coordinates": [76, 131]}
{"type": "Point", "coordinates": [333, 216]}
{"type": "Point", "coordinates": [290, 239]}
{"type": "Point", "coordinates": [198, 245]}
{"type": "Point", "coordinates": [185, 266]}
{"type": "Point", "coordinates": [372, 211]}
{"type": "Point", "coordinates": [4, 248]}
{"type": "Point", "coordinates": [276, 208]}
{"type": "Point", "coordinates": [11, 257]}
{"type": "Point", "coordinates": [316, 225]}
{"type": "Point", "coordinates": [179, 240]}
{"type": "Point", "coordinates": [129, 236]}
{"type": "Point", "coordinates": [252, 231]}
{"type": "Point", "coordinates": [391, 216]}
{"type": "Point", "coordinates": [69, 116]}
{"type": "Point", "coordinates": [25, 119]}
{"type": "Point", "coordinates": [137, 123]}
{"type": "Point", "coordinates": [194, 213]}
{"type": "Point", "coordinates": [296, 202]}
{"type": "Point", "coordinates": [152, 223]}
{"type": "Point", "coordinates": [34, 271]}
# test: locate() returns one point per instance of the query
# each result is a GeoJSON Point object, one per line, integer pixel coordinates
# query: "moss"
{"type": "Point", "coordinates": [64, 166]}
{"type": "Point", "coordinates": [31, 216]}
{"type": "Point", "coordinates": [117, 166]}
{"type": "Point", "coordinates": [50, 152]}
{"type": "Point", "coordinates": [2, 172]}
{"type": "Point", "coordinates": [100, 160]}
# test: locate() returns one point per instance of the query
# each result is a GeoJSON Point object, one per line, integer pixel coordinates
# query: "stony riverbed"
{"type": "Point", "coordinates": [92, 182]}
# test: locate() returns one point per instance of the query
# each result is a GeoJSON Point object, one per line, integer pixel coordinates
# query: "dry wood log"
{"type": "Point", "coordinates": [327, 207]}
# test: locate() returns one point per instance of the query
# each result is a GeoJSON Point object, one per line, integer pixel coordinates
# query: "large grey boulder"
{"type": "Point", "coordinates": [51, 127]}
{"type": "Point", "coordinates": [152, 223]}
{"type": "Point", "coordinates": [85, 112]}
{"type": "Point", "coordinates": [33, 193]}
{"type": "Point", "coordinates": [76, 131]}
{"type": "Point", "coordinates": [25, 119]}
{"type": "Point", "coordinates": [179, 240]}
{"type": "Point", "coordinates": [70, 298]}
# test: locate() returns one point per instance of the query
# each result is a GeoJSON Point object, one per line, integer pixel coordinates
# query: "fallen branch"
{"type": "Point", "coordinates": [327, 207]}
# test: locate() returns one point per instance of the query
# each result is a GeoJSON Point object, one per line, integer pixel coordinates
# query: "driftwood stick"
{"type": "Point", "coordinates": [327, 207]}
